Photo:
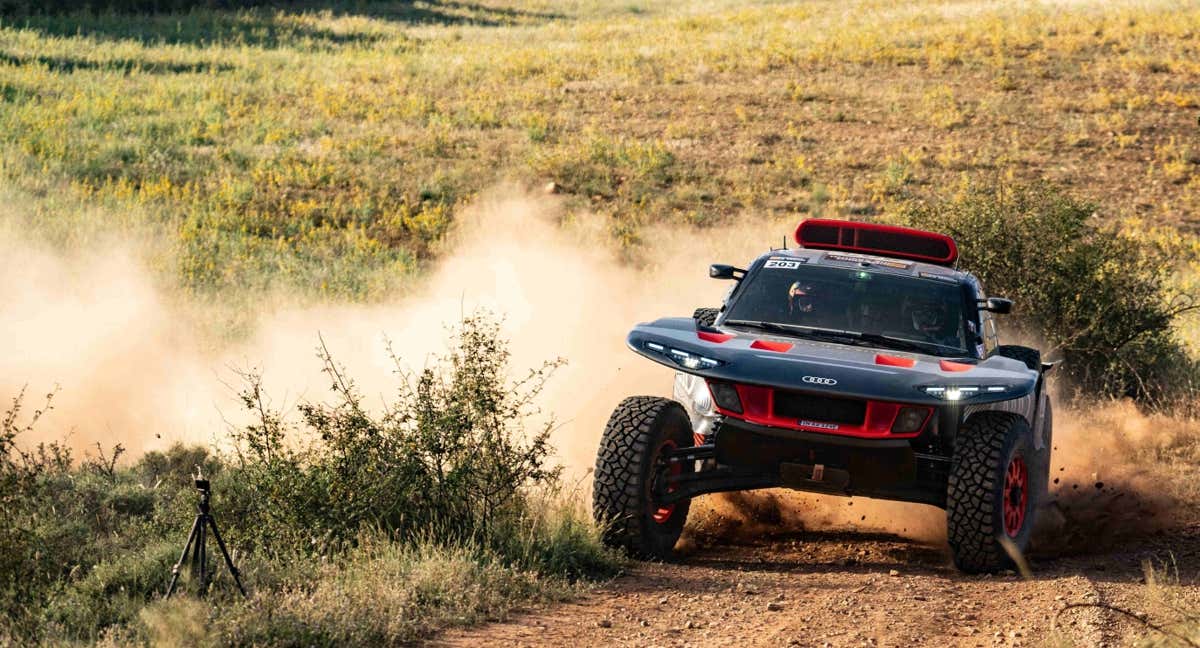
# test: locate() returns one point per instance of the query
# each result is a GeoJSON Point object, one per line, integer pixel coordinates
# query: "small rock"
{"type": "Point", "coordinates": [604, 623]}
{"type": "Point", "coordinates": [662, 601]}
{"type": "Point", "coordinates": [774, 606]}
{"type": "Point", "coordinates": [893, 572]}
{"type": "Point", "coordinates": [551, 187]}
{"type": "Point", "coordinates": [644, 623]}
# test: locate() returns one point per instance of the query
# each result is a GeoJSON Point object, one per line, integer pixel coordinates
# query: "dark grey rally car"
{"type": "Point", "coordinates": [862, 363]}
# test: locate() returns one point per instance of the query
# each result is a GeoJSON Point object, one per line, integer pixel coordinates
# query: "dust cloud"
{"type": "Point", "coordinates": [1116, 473]}
{"type": "Point", "coordinates": [94, 327]}
{"type": "Point", "coordinates": [132, 368]}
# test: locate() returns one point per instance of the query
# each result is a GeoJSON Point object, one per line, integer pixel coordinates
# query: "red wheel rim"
{"type": "Point", "coordinates": [1016, 496]}
{"type": "Point", "coordinates": [663, 513]}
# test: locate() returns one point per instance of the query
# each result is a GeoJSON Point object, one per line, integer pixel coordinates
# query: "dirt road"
{"type": "Point", "coordinates": [847, 588]}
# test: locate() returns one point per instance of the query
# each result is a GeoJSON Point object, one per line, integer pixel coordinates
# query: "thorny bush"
{"type": "Point", "coordinates": [1102, 301]}
{"type": "Point", "coordinates": [452, 476]}
{"type": "Point", "coordinates": [451, 456]}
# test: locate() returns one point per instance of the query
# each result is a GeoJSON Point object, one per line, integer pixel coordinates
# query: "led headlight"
{"type": "Point", "coordinates": [684, 358]}
{"type": "Point", "coordinates": [960, 392]}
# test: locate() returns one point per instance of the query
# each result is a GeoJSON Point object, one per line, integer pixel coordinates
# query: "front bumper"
{"type": "Point", "coordinates": [891, 469]}
{"type": "Point", "coordinates": [745, 456]}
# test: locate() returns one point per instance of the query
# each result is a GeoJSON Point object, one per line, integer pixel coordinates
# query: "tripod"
{"type": "Point", "coordinates": [196, 543]}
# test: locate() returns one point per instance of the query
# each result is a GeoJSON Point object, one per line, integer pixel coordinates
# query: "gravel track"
{"type": "Point", "coordinates": [844, 588]}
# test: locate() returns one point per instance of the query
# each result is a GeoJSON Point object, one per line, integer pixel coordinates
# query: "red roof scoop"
{"type": "Point", "coordinates": [880, 240]}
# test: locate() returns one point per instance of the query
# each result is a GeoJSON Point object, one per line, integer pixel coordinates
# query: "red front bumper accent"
{"type": "Point", "coordinates": [758, 406]}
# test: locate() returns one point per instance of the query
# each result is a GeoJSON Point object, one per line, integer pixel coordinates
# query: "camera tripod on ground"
{"type": "Point", "coordinates": [196, 542]}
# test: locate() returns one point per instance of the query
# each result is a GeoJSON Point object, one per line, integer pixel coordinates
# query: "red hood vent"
{"type": "Point", "coordinates": [881, 240]}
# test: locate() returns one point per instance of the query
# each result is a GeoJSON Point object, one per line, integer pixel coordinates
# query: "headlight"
{"type": "Point", "coordinates": [910, 419]}
{"type": "Point", "coordinates": [961, 392]}
{"type": "Point", "coordinates": [726, 396]}
{"type": "Point", "coordinates": [684, 358]}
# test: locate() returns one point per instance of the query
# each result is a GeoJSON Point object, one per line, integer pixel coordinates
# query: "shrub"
{"type": "Point", "coordinates": [441, 510]}
{"type": "Point", "coordinates": [1100, 300]}
{"type": "Point", "coordinates": [450, 456]}
{"type": "Point", "coordinates": [25, 570]}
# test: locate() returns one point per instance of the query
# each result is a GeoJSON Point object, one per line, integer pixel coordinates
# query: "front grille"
{"type": "Point", "coordinates": [807, 407]}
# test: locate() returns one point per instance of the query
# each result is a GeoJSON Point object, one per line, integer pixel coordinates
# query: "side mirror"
{"type": "Point", "coordinates": [998, 305]}
{"type": "Point", "coordinates": [722, 271]}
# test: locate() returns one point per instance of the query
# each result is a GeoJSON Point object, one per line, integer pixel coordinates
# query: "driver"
{"type": "Point", "coordinates": [930, 321]}
{"type": "Point", "coordinates": [800, 302]}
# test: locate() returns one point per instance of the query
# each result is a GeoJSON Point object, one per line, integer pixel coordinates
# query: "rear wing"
{"type": "Point", "coordinates": [880, 240]}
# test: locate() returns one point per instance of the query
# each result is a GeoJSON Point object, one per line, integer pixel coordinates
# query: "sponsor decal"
{"type": "Point", "coordinates": [786, 264]}
{"type": "Point", "coordinates": [873, 260]}
{"type": "Point", "coordinates": [819, 380]}
{"type": "Point", "coordinates": [819, 424]}
{"type": "Point", "coordinates": [939, 277]}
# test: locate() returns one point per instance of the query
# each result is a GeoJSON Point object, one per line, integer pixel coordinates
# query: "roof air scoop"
{"type": "Point", "coordinates": [881, 240]}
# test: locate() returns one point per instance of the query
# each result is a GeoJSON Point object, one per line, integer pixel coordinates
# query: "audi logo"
{"type": "Point", "coordinates": [818, 380]}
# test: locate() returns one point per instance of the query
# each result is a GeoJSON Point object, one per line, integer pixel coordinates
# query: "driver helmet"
{"type": "Point", "coordinates": [927, 316]}
{"type": "Point", "coordinates": [800, 298]}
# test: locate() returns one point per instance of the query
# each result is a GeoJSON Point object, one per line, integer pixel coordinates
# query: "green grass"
{"type": "Point", "coordinates": [326, 150]}
{"type": "Point", "coordinates": [349, 526]}
{"type": "Point", "coordinates": [329, 150]}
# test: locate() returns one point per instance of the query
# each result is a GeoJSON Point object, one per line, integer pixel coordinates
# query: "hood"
{"type": "Point", "coordinates": [824, 367]}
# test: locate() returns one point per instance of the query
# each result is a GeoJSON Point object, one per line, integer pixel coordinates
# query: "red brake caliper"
{"type": "Point", "coordinates": [1016, 496]}
{"type": "Point", "coordinates": [663, 513]}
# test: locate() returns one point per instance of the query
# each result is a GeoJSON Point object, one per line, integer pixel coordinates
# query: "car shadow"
{"type": "Point", "coordinates": [1173, 551]}
{"type": "Point", "coordinates": [807, 550]}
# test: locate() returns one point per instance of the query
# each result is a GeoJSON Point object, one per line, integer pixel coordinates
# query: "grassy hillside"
{"type": "Point", "coordinates": [325, 149]}
{"type": "Point", "coordinates": [328, 149]}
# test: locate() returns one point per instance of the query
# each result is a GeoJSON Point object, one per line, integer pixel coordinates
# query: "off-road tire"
{"type": "Point", "coordinates": [1031, 357]}
{"type": "Point", "coordinates": [706, 317]}
{"type": "Point", "coordinates": [635, 436]}
{"type": "Point", "coordinates": [986, 448]}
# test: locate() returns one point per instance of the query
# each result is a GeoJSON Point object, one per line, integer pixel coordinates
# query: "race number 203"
{"type": "Point", "coordinates": [786, 264]}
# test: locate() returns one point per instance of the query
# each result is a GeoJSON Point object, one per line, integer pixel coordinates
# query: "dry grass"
{"type": "Point", "coordinates": [329, 150]}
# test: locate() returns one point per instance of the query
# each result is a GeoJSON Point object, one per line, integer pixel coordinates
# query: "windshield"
{"type": "Point", "coordinates": [885, 309]}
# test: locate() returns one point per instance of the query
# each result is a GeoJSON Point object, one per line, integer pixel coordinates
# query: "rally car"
{"type": "Point", "coordinates": [861, 363]}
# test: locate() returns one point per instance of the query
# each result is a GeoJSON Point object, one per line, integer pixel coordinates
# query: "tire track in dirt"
{"type": "Point", "coordinates": [846, 589]}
